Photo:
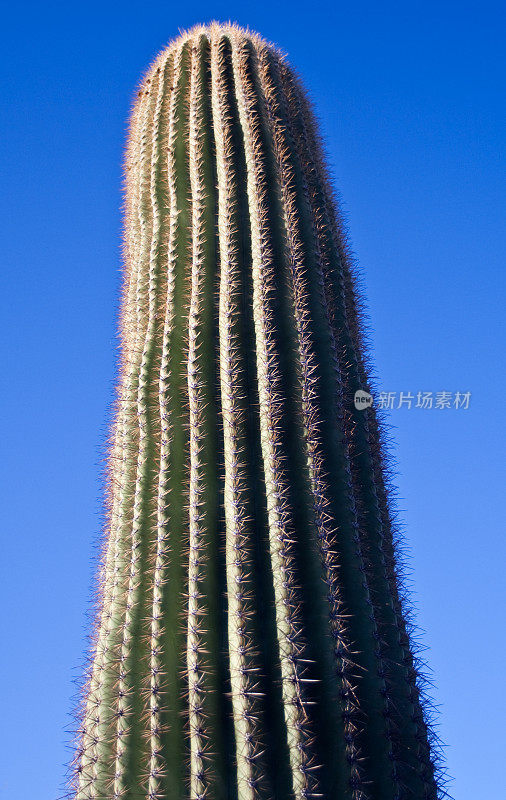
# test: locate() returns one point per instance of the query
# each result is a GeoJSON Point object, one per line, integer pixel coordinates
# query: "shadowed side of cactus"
{"type": "Point", "coordinates": [251, 641]}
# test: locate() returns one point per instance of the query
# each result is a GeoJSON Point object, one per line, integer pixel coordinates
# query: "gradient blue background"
{"type": "Point", "coordinates": [409, 100]}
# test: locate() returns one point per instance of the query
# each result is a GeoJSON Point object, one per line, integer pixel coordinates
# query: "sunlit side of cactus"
{"type": "Point", "coordinates": [251, 641]}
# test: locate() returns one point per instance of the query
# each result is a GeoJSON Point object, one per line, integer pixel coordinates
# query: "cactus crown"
{"type": "Point", "coordinates": [250, 639]}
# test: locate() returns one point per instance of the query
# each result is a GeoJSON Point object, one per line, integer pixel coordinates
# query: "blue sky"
{"type": "Point", "coordinates": [409, 99]}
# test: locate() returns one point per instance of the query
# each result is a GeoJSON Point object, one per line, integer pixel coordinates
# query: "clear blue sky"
{"type": "Point", "coordinates": [409, 96]}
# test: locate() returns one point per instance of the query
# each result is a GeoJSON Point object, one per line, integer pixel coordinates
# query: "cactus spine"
{"type": "Point", "coordinates": [251, 641]}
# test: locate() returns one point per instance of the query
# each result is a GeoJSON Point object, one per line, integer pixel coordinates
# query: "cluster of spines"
{"type": "Point", "coordinates": [222, 139]}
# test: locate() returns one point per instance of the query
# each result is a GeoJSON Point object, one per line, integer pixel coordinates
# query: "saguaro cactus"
{"type": "Point", "coordinates": [250, 640]}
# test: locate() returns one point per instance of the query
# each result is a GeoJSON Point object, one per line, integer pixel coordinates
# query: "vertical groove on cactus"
{"type": "Point", "coordinates": [158, 697]}
{"type": "Point", "coordinates": [234, 410]}
{"type": "Point", "coordinates": [251, 641]}
{"type": "Point", "coordinates": [174, 746]}
{"type": "Point", "coordinates": [201, 496]}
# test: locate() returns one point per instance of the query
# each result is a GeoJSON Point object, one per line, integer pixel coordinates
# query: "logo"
{"type": "Point", "coordinates": [362, 400]}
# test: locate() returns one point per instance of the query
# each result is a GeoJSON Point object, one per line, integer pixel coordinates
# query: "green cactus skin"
{"type": "Point", "coordinates": [251, 641]}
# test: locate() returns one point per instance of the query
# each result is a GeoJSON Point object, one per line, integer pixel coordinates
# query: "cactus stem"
{"type": "Point", "coordinates": [251, 636]}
